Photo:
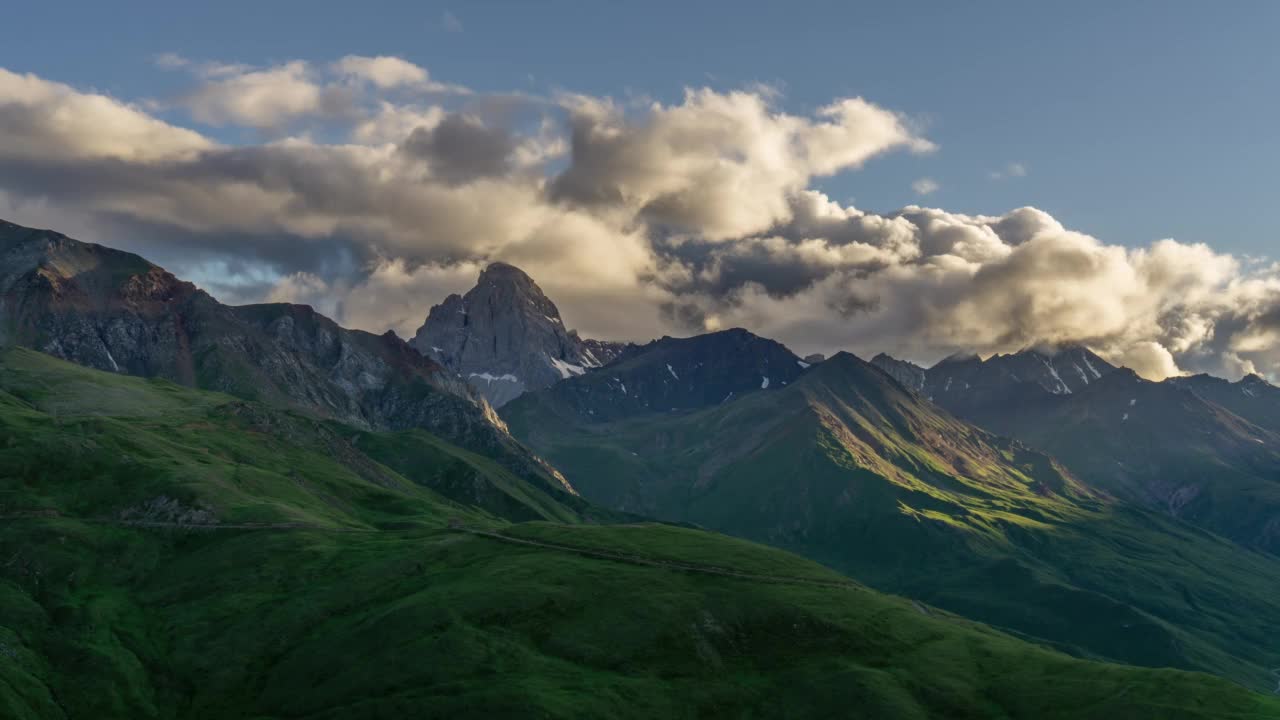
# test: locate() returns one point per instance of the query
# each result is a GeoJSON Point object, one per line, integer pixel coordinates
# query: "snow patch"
{"type": "Point", "coordinates": [1092, 369]}
{"type": "Point", "coordinates": [764, 383]}
{"type": "Point", "coordinates": [1083, 376]}
{"type": "Point", "coordinates": [673, 372]}
{"type": "Point", "coordinates": [1126, 417]}
{"type": "Point", "coordinates": [567, 369]}
{"type": "Point", "coordinates": [490, 378]}
{"type": "Point", "coordinates": [1133, 401]}
{"type": "Point", "coordinates": [803, 365]}
{"type": "Point", "coordinates": [1062, 388]}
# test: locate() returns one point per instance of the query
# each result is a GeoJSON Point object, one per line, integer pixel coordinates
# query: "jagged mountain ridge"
{"type": "Point", "coordinates": [505, 337]}
{"type": "Point", "coordinates": [1251, 397]}
{"type": "Point", "coordinates": [114, 311]}
{"type": "Point", "coordinates": [910, 375]}
{"type": "Point", "coordinates": [964, 383]}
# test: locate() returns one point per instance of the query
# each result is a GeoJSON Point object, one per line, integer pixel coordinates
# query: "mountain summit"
{"type": "Point", "coordinates": [505, 337]}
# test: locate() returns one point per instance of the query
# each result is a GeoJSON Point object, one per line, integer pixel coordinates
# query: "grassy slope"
{"type": "Point", "coordinates": [1166, 448]}
{"type": "Point", "coordinates": [850, 471]}
{"type": "Point", "coordinates": [375, 610]}
{"type": "Point", "coordinates": [245, 463]}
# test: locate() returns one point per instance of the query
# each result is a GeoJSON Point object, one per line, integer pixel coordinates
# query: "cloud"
{"type": "Point", "coordinates": [257, 98]}
{"type": "Point", "coordinates": [719, 164]}
{"type": "Point", "coordinates": [383, 71]}
{"type": "Point", "coordinates": [49, 122]}
{"type": "Point", "coordinates": [925, 186]}
{"type": "Point", "coordinates": [639, 219]}
{"type": "Point", "coordinates": [450, 22]}
{"type": "Point", "coordinates": [461, 148]}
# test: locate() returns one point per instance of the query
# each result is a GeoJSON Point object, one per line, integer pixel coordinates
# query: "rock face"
{"type": "Point", "coordinates": [505, 337]}
{"type": "Point", "coordinates": [968, 385]}
{"type": "Point", "coordinates": [115, 311]}
{"type": "Point", "coordinates": [1252, 397]}
{"type": "Point", "coordinates": [908, 374]}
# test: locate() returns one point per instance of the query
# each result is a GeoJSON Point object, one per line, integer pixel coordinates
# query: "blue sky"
{"type": "Point", "coordinates": [1134, 121]}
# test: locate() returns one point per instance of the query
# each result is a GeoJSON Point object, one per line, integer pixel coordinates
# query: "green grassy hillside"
{"type": "Point", "coordinates": [847, 468]}
{"type": "Point", "coordinates": [167, 553]}
{"type": "Point", "coordinates": [154, 448]}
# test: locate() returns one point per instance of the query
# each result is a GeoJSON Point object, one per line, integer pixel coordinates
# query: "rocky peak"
{"type": "Point", "coordinates": [908, 374]}
{"type": "Point", "coordinates": [1059, 370]}
{"type": "Point", "coordinates": [505, 337]}
{"type": "Point", "coordinates": [1254, 380]}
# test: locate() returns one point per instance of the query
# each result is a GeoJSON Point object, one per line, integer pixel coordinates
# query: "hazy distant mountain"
{"type": "Point", "coordinates": [115, 311]}
{"type": "Point", "coordinates": [1252, 397]}
{"type": "Point", "coordinates": [506, 337]}
{"type": "Point", "coordinates": [673, 375]}
{"type": "Point", "coordinates": [848, 467]}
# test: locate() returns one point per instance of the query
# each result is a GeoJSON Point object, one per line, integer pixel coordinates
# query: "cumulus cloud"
{"type": "Point", "coordinates": [720, 164]}
{"type": "Point", "coordinates": [49, 122]}
{"type": "Point", "coordinates": [461, 148]}
{"type": "Point", "coordinates": [639, 220]}
{"type": "Point", "coordinates": [257, 98]}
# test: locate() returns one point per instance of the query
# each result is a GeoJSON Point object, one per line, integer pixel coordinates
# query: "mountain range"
{"type": "Point", "coordinates": [847, 467]}
{"type": "Point", "coordinates": [114, 311]}
{"type": "Point", "coordinates": [215, 511]}
{"type": "Point", "coordinates": [1198, 448]}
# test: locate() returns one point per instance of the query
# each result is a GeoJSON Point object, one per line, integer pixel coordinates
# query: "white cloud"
{"type": "Point", "coordinates": [719, 164]}
{"type": "Point", "coordinates": [393, 123]}
{"type": "Point", "coordinates": [383, 71]}
{"type": "Point", "coordinates": [925, 186]}
{"type": "Point", "coordinates": [48, 121]}
{"type": "Point", "coordinates": [256, 98]}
